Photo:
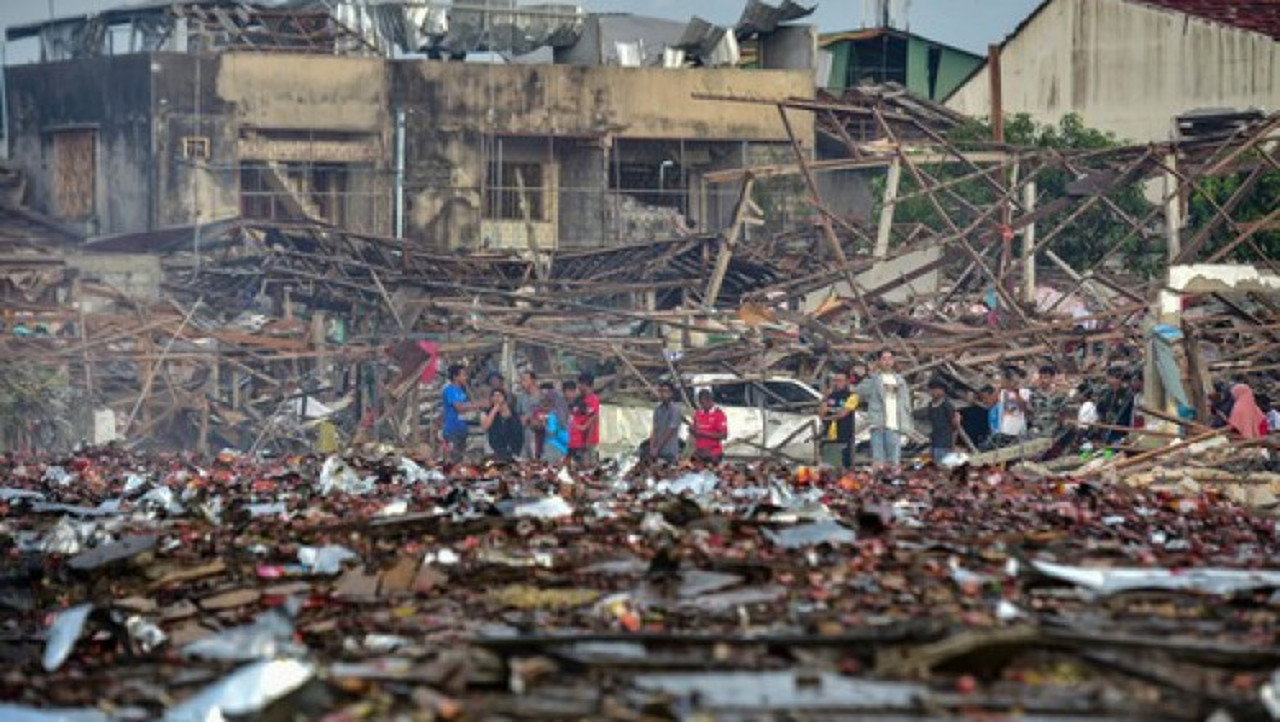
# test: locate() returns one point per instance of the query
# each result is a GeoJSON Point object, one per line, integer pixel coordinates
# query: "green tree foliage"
{"type": "Point", "coordinates": [1088, 238]}
{"type": "Point", "coordinates": [1263, 198]}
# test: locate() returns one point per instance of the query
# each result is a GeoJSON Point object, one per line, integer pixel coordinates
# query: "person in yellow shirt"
{"type": "Point", "coordinates": [836, 414]}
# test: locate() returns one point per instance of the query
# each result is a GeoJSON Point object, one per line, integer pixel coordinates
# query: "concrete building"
{"type": "Point", "coordinates": [1131, 66]}
{"type": "Point", "coordinates": [212, 111]}
{"type": "Point", "coordinates": [877, 56]}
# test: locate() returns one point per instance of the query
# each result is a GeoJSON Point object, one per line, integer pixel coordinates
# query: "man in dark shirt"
{"type": "Point", "coordinates": [975, 419]}
{"type": "Point", "coordinates": [836, 414]}
{"type": "Point", "coordinates": [664, 438]}
{"type": "Point", "coordinates": [943, 421]}
{"type": "Point", "coordinates": [1115, 405]}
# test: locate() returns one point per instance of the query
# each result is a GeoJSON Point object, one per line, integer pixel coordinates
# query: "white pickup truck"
{"type": "Point", "coordinates": [763, 413]}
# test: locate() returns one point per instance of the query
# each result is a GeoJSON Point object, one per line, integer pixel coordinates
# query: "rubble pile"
{"type": "Point", "coordinates": [377, 586]}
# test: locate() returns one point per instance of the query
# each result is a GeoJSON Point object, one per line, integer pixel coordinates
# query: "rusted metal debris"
{"type": "Point", "coordinates": [257, 318]}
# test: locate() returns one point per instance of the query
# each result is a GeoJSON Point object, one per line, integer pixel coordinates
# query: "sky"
{"type": "Point", "coordinates": [967, 24]}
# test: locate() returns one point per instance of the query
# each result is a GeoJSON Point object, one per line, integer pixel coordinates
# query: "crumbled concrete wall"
{"type": "Point", "coordinates": [136, 275]}
{"type": "Point", "coordinates": [107, 96]}
{"type": "Point", "coordinates": [563, 100]}
{"type": "Point", "coordinates": [306, 92]}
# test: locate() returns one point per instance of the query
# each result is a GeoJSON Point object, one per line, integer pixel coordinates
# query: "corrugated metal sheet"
{"type": "Point", "coordinates": [1261, 16]}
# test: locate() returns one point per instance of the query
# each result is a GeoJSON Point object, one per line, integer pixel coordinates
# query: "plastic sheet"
{"type": "Point", "coordinates": [324, 560]}
{"type": "Point", "coordinates": [66, 537]}
{"type": "Point", "coordinates": [132, 484]}
{"type": "Point", "coordinates": [786, 692]}
{"type": "Point", "coordinates": [549, 507]}
{"type": "Point", "coordinates": [812, 534]}
{"type": "Point", "coordinates": [277, 508]}
{"type": "Point", "coordinates": [146, 634]}
{"type": "Point", "coordinates": [269, 636]}
{"type": "Point", "coordinates": [1205, 581]}
{"type": "Point", "coordinates": [8, 494]}
{"type": "Point", "coordinates": [698, 483]}
{"type": "Point", "coordinates": [244, 691]}
{"type": "Point", "coordinates": [413, 473]}
{"type": "Point", "coordinates": [18, 713]}
{"type": "Point", "coordinates": [336, 475]}
{"type": "Point", "coordinates": [1270, 695]}
{"type": "Point", "coordinates": [63, 634]}
{"type": "Point", "coordinates": [162, 497]}
{"type": "Point", "coordinates": [112, 552]}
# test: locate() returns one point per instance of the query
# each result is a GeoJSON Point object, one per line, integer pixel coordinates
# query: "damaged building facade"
{"type": "Point", "coordinates": [179, 115]}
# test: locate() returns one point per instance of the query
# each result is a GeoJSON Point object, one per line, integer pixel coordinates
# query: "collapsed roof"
{"type": "Point", "coordinates": [369, 27]}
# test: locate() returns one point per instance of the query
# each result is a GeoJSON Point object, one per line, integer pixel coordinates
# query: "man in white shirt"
{"type": "Point", "coordinates": [1014, 403]}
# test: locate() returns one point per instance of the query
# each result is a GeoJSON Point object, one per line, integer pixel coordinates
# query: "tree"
{"type": "Point", "coordinates": [1090, 236]}
{"type": "Point", "coordinates": [1256, 204]}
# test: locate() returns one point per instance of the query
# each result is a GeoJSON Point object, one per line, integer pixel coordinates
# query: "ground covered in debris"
{"type": "Point", "coordinates": [372, 587]}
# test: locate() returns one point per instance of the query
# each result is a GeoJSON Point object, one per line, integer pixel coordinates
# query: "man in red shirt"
{"type": "Point", "coordinates": [710, 429]}
{"type": "Point", "coordinates": [584, 431]}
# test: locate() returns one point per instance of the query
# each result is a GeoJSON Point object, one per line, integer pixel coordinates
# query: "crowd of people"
{"type": "Point", "coordinates": [537, 420]}
{"type": "Point", "coordinates": [534, 421]}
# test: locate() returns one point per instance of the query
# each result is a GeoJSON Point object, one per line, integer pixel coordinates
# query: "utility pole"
{"type": "Point", "coordinates": [997, 135]}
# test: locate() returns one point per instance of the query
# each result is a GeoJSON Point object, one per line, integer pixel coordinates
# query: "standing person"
{"type": "Point", "coordinates": [1087, 415]}
{"type": "Point", "coordinates": [528, 401]}
{"type": "Point", "coordinates": [1013, 404]}
{"type": "Point", "coordinates": [710, 429]}
{"type": "Point", "coordinates": [1246, 418]}
{"type": "Point", "coordinates": [1135, 398]}
{"type": "Point", "coordinates": [975, 419]}
{"type": "Point", "coordinates": [500, 422]}
{"type": "Point", "coordinates": [555, 438]}
{"type": "Point", "coordinates": [664, 438]}
{"type": "Point", "coordinates": [836, 413]}
{"type": "Point", "coordinates": [1048, 403]}
{"type": "Point", "coordinates": [585, 415]}
{"type": "Point", "coordinates": [888, 412]}
{"type": "Point", "coordinates": [1115, 405]}
{"type": "Point", "coordinates": [496, 381]}
{"type": "Point", "coordinates": [944, 421]}
{"type": "Point", "coordinates": [1220, 402]}
{"type": "Point", "coordinates": [1272, 413]}
{"type": "Point", "coordinates": [456, 403]}
{"type": "Point", "coordinates": [573, 400]}
{"type": "Point", "coordinates": [1075, 433]}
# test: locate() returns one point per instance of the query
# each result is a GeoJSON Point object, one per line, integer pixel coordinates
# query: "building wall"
{"type": "Point", "coordinates": [137, 275]}
{"type": "Point", "coordinates": [177, 134]}
{"type": "Point", "coordinates": [584, 165]}
{"type": "Point", "coordinates": [302, 110]}
{"type": "Point", "coordinates": [457, 112]}
{"type": "Point", "coordinates": [790, 47]}
{"type": "Point", "coordinates": [173, 131]}
{"type": "Point", "coordinates": [953, 68]}
{"type": "Point", "coordinates": [1127, 68]}
{"type": "Point", "coordinates": [188, 118]}
{"type": "Point", "coordinates": [562, 100]}
{"type": "Point", "coordinates": [305, 92]}
{"type": "Point", "coordinates": [108, 177]}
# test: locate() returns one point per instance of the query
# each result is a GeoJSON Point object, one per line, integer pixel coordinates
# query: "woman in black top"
{"type": "Point", "coordinates": [506, 435]}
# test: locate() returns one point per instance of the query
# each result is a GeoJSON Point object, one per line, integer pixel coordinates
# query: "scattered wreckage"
{"type": "Point", "coordinates": [377, 586]}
